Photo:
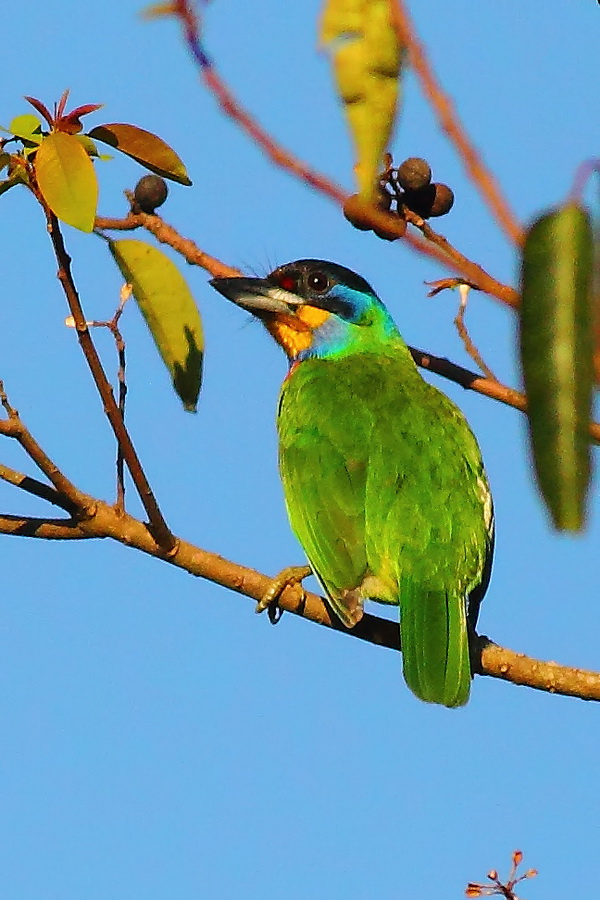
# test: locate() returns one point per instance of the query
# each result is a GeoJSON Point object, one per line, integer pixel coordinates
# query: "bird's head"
{"type": "Point", "coordinates": [313, 308]}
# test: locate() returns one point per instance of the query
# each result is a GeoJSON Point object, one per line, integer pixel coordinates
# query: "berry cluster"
{"type": "Point", "coordinates": [409, 187]}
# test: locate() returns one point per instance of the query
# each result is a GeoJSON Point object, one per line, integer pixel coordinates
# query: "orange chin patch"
{"type": "Point", "coordinates": [294, 332]}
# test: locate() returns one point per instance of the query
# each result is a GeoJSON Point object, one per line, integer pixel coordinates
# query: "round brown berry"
{"type": "Point", "coordinates": [150, 192]}
{"type": "Point", "coordinates": [414, 173]}
{"type": "Point", "coordinates": [396, 229]}
{"type": "Point", "coordinates": [443, 200]}
{"type": "Point", "coordinates": [357, 213]}
{"type": "Point", "coordinates": [421, 201]}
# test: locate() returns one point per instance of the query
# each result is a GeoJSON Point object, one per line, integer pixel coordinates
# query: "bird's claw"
{"type": "Point", "coordinates": [288, 577]}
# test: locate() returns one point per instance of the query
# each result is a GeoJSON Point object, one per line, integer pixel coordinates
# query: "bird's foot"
{"type": "Point", "coordinates": [350, 609]}
{"type": "Point", "coordinates": [288, 577]}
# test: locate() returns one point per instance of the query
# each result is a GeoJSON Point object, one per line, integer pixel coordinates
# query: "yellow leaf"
{"type": "Point", "coordinates": [67, 180]}
{"type": "Point", "coordinates": [170, 312]}
{"type": "Point", "coordinates": [367, 59]}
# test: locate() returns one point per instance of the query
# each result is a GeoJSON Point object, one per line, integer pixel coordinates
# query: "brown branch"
{"type": "Point", "coordinates": [441, 366]}
{"type": "Point", "coordinates": [472, 381]}
{"type": "Point", "coordinates": [157, 524]}
{"type": "Point", "coordinates": [451, 125]}
{"type": "Point", "coordinates": [102, 520]}
{"type": "Point", "coordinates": [166, 234]}
{"type": "Point", "coordinates": [471, 272]}
{"type": "Point", "coordinates": [463, 332]}
{"type": "Point", "coordinates": [48, 529]}
{"type": "Point", "coordinates": [438, 247]}
{"type": "Point", "coordinates": [35, 487]}
{"type": "Point", "coordinates": [488, 387]}
{"type": "Point", "coordinates": [499, 662]}
{"type": "Point", "coordinates": [276, 153]}
{"type": "Point", "coordinates": [492, 660]}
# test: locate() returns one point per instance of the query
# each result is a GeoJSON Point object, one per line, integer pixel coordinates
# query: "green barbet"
{"type": "Point", "coordinates": [383, 479]}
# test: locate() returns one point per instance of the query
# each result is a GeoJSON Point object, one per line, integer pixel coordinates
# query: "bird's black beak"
{"type": "Point", "coordinates": [257, 295]}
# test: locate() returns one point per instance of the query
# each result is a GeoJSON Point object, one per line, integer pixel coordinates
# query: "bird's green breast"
{"type": "Point", "coordinates": [382, 475]}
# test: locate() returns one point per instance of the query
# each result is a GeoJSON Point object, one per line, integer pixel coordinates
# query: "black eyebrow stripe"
{"type": "Point", "coordinates": [336, 305]}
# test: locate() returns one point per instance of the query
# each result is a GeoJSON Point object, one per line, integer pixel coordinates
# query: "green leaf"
{"type": "Point", "coordinates": [145, 147]}
{"type": "Point", "coordinates": [87, 144]}
{"type": "Point", "coordinates": [170, 312]}
{"type": "Point", "coordinates": [367, 59]}
{"type": "Point", "coordinates": [67, 180]}
{"type": "Point", "coordinates": [556, 344]}
{"type": "Point", "coordinates": [27, 127]}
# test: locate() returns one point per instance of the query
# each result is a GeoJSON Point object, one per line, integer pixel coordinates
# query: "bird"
{"type": "Point", "coordinates": [383, 479]}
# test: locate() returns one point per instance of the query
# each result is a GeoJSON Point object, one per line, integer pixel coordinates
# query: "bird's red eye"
{"type": "Point", "coordinates": [318, 281]}
{"type": "Point", "coordinates": [288, 283]}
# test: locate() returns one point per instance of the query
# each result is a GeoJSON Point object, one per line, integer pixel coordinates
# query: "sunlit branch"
{"type": "Point", "coordinates": [492, 660]}
{"type": "Point", "coordinates": [159, 527]}
{"type": "Point", "coordinates": [436, 246]}
{"type": "Point", "coordinates": [472, 381]}
{"type": "Point", "coordinates": [47, 529]}
{"type": "Point", "coordinates": [33, 486]}
{"type": "Point", "coordinates": [451, 125]}
{"type": "Point", "coordinates": [443, 367]}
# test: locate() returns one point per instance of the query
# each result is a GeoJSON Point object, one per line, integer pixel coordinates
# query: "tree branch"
{"type": "Point", "coordinates": [159, 527]}
{"type": "Point", "coordinates": [48, 529]}
{"type": "Point", "coordinates": [490, 659]}
{"type": "Point", "coordinates": [97, 519]}
{"type": "Point", "coordinates": [195, 256]}
{"type": "Point", "coordinates": [436, 246]}
{"type": "Point", "coordinates": [166, 234]}
{"type": "Point", "coordinates": [470, 271]}
{"type": "Point", "coordinates": [450, 124]}
{"type": "Point", "coordinates": [474, 382]}
{"type": "Point", "coordinates": [32, 486]}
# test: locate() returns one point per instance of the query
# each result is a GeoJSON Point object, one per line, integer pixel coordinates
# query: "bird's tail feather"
{"type": "Point", "coordinates": [435, 645]}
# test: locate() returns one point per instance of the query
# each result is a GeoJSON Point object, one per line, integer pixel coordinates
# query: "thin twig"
{"type": "Point", "coordinates": [48, 529]}
{"type": "Point", "coordinates": [472, 381]}
{"type": "Point", "coordinates": [35, 487]}
{"type": "Point", "coordinates": [463, 332]}
{"type": "Point", "coordinates": [120, 343]}
{"type": "Point", "coordinates": [157, 524]}
{"type": "Point", "coordinates": [451, 125]}
{"type": "Point", "coordinates": [113, 327]}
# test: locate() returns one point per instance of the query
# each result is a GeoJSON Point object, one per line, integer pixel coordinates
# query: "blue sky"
{"type": "Point", "coordinates": [157, 739]}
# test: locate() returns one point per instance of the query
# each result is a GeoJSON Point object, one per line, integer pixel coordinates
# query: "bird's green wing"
{"type": "Point", "coordinates": [322, 461]}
